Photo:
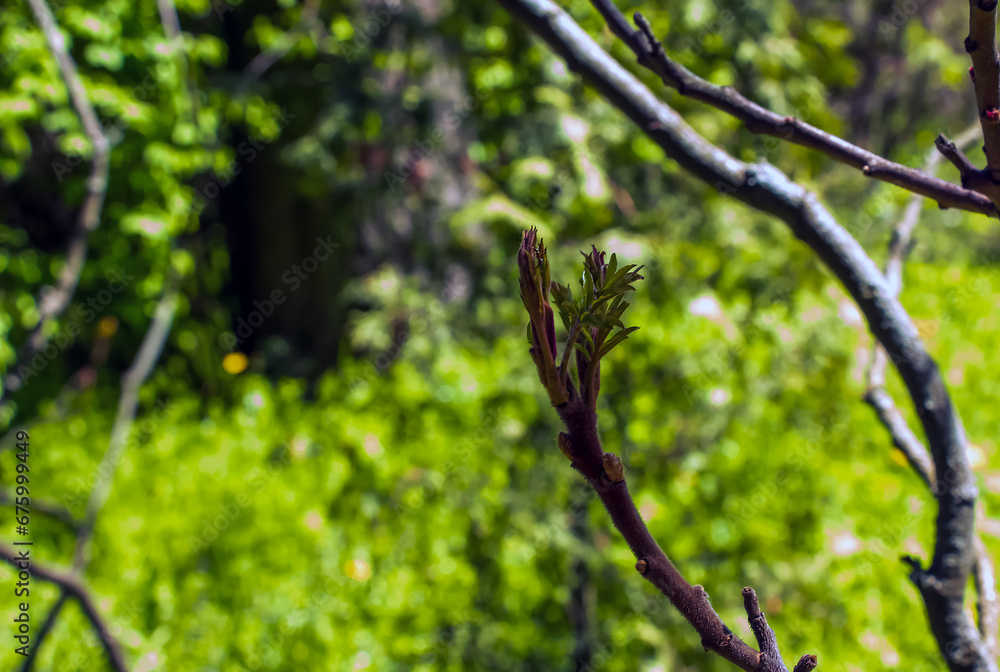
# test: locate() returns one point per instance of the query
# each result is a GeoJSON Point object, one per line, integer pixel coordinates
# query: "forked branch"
{"type": "Point", "coordinates": [604, 286]}
{"type": "Point", "coordinates": [759, 119]}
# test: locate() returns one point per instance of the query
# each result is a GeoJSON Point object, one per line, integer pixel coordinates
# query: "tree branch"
{"type": "Point", "coordinates": [761, 120]}
{"type": "Point", "coordinates": [982, 47]}
{"type": "Point", "coordinates": [43, 632]}
{"type": "Point", "coordinates": [987, 604]}
{"type": "Point", "coordinates": [899, 247]}
{"type": "Point", "coordinates": [73, 587]}
{"type": "Point", "coordinates": [132, 380]}
{"type": "Point", "coordinates": [764, 187]}
{"type": "Point", "coordinates": [606, 475]}
{"type": "Point", "coordinates": [53, 303]}
{"type": "Point", "coordinates": [879, 398]}
{"type": "Point", "coordinates": [45, 508]}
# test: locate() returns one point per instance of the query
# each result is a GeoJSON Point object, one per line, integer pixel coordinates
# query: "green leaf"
{"type": "Point", "coordinates": [615, 340]}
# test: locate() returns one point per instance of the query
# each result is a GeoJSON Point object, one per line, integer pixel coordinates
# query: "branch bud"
{"type": "Point", "coordinates": [614, 468]}
{"type": "Point", "coordinates": [565, 445]}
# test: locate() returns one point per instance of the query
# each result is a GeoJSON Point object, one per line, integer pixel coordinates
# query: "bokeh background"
{"type": "Point", "coordinates": [363, 475]}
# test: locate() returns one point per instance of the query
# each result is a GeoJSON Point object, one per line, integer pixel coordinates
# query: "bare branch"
{"type": "Point", "coordinates": [770, 657]}
{"type": "Point", "coordinates": [967, 170]}
{"type": "Point", "coordinates": [132, 380]}
{"type": "Point", "coordinates": [45, 508]}
{"type": "Point", "coordinates": [54, 302]}
{"type": "Point", "coordinates": [768, 189]}
{"type": "Point", "coordinates": [605, 473]}
{"type": "Point", "coordinates": [987, 604]}
{"type": "Point", "coordinates": [902, 436]}
{"type": "Point", "coordinates": [982, 47]}
{"type": "Point", "coordinates": [43, 632]}
{"type": "Point", "coordinates": [759, 119]}
{"type": "Point", "coordinates": [73, 587]}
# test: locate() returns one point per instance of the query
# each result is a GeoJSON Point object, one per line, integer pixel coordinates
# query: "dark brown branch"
{"type": "Point", "coordinates": [967, 170]}
{"type": "Point", "coordinates": [768, 189]}
{"type": "Point", "coordinates": [770, 657]}
{"type": "Point", "coordinates": [54, 302]}
{"type": "Point", "coordinates": [73, 587]}
{"type": "Point", "coordinates": [761, 120]}
{"type": "Point", "coordinates": [45, 508]}
{"type": "Point", "coordinates": [43, 632]}
{"type": "Point", "coordinates": [806, 663]}
{"type": "Point", "coordinates": [605, 473]}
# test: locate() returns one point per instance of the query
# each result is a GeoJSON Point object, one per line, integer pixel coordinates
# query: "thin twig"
{"type": "Point", "coordinates": [132, 380]}
{"type": "Point", "coordinates": [54, 302]}
{"type": "Point", "coordinates": [71, 584]}
{"type": "Point", "coordinates": [45, 508]}
{"type": "Point", "coordinates": [43, 632]}
{"type": "Point", "coordinates": [759, 119]}
{"type": "Point", "coordinates": [899, 247]}
{"type": "Point", "coordinates": [263, 61]}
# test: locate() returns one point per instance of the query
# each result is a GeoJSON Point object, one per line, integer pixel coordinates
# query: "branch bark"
{"type": "Point", "coordinates": [606, 475]}
{"type": "Point", "coordinates": [982, 47]}
{"type": "Point", "coordinates": [759, 119]}
{"type": "Point", "coordinates": [764, 187]}
{"type": "Point", "coordinates": [987, 604]}
{"type": "Point", "coordinates": [72, 586]}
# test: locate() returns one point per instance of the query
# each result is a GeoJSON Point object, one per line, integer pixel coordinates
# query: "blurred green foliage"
{"type": "Point", "coordinates": [376, 485]}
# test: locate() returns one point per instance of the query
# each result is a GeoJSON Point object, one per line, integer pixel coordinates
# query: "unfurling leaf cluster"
{"type": "Point", "coordinates": [593, 322]}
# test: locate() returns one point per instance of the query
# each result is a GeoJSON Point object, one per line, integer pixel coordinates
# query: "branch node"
{"type": "Point", "coordinates": [806, 663]}
{"type": "Point", "coordinates": [656, 48]}
{"type": "Point", "coordinates": [565, 445]}
{"type": "Point", "coordinates": [970, 45]}
{"type": "Point", "coordinates": [642, 566]}
{"type": "Point", "coordinates": [613, 467]}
